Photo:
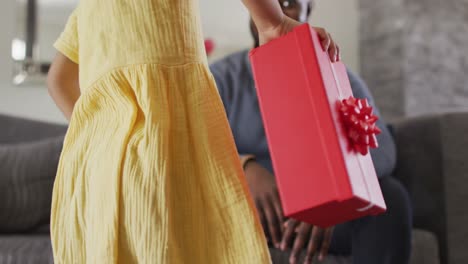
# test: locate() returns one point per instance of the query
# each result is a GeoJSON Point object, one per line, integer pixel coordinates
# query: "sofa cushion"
{"type": "Point", "coordinates": [19, 130]}
{"type": "Point", "coordinates": [425, 248]}
{"type": "Point", "coordinates": [27, 172]}
{"type": "Point", "coordinates": [432, 164]}
{"type": "Point", "coordinates": [25, 249]}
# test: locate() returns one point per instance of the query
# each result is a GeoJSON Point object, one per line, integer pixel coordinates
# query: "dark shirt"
{"type": "Point", "coordinates": [236, 86]}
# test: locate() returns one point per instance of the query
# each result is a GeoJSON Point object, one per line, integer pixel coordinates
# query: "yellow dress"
{"type": "Point", "coordinates": [149, 172]}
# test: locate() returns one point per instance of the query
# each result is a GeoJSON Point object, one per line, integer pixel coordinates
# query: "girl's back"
{"type": "Point", "coordinates": [119, 33]}
{"type": "Point", "coordinates": [149, 172]}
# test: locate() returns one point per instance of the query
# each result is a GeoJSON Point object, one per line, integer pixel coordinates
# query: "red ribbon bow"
{"type": "Point", "coordinates": [359, 122]}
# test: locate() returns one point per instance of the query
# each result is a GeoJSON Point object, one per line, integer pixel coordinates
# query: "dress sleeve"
{"type": "Point", "coordinates": [68, 43]}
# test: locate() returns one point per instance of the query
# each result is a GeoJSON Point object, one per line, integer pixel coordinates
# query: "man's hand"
{"type": "Point", "coordinates": [263, 189]}
{"type": "Point", "coordinates": [316, 239]}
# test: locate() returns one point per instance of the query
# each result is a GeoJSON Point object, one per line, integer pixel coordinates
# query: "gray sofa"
{"type": "Point", "coordinates": [432, 163]}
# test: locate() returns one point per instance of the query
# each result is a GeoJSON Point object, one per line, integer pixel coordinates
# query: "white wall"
{"type": "Point", "coordinates": [225, 21]}
{"type": "Point", "coordinates": [341, 19]}
{"type": "Point", "coordinates": [31, 102]}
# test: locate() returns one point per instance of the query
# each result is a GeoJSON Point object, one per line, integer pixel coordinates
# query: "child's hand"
{"type": "Point", "coordinates": [288, 24]}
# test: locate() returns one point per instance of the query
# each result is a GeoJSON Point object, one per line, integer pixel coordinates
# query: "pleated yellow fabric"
{"type": "Point", "coordinates": [149, 172]}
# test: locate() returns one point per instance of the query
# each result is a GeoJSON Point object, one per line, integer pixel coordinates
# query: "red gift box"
{"type": "Point", "coordinates": [318, 140]}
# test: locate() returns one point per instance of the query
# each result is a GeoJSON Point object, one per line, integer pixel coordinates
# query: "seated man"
{"type": "Point", "coordinates": [380, 239]}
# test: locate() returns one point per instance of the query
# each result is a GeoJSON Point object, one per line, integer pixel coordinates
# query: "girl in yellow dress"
{"type": "Point", "coordinates": [149, 172]}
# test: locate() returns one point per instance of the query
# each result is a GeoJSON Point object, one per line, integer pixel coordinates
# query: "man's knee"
{"type": "Point", "coordinates": [397, 198]}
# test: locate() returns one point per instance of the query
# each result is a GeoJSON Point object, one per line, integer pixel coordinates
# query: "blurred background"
{"type": "Point", "coordinates": [225, 22]}
{"type": "Point", "coordinates": [412, 54]}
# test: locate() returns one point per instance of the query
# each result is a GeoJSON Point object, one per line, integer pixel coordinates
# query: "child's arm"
{"type": "Point", "coordinates": [272, 23]}
{"type": "Point", "coordinates": [266, 14]}
{"type": "Point", "coordinates": [63, 84]}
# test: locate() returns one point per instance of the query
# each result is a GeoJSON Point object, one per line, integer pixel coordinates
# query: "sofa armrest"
{"type": "Point", "coordinates": [15, 130]}
{"type": "Point", "coordinates": [433, 165]}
